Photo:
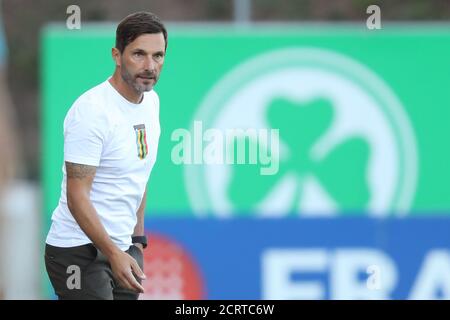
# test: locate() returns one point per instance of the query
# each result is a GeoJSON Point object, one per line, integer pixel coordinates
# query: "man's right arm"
{"type": "Point", "coordinates": [79, 183]}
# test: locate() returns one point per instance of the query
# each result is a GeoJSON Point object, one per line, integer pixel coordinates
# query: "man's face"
{"type": "Point", "coordinates": [142, 61]}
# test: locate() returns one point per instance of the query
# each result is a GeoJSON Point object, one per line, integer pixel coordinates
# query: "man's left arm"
{"type": "Point", "coordinates": [139, 228]}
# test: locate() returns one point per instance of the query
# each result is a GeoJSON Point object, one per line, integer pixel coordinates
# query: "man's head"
{"type": "Point", "coordinates": [141, 43]}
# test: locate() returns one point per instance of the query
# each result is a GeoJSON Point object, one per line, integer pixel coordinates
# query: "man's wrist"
{"type": "Point", "coordinates": [111, 251]}
{"type": "Point", "coordinates": [139, 240]}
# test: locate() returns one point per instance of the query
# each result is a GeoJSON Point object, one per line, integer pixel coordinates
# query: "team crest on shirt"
{"type": "Point", "coordinates": [141, 140]}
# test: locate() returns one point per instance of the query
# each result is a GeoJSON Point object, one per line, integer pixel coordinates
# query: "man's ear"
{"type": "Point", "coordinates": [116, 56]}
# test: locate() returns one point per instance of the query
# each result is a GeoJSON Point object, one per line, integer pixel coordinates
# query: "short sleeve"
{"type": "Point", "coordinates": [85, 133]}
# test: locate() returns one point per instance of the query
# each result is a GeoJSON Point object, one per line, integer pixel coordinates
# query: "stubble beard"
{"type": "Point", "coordinates": [132, 81]}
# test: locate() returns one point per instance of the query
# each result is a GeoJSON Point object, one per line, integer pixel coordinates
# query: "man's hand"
{"type": "Point", "coordinates": [123, 266]}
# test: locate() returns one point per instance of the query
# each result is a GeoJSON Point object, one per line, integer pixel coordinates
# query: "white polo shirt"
{"type": "Point", "coordinates": [120, 138]}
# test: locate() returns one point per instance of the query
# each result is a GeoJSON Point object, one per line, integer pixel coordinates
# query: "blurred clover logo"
{"type": "Point", "coordinates": [342, 172]}
{"type": "Point", "coordinates": [346, 143]}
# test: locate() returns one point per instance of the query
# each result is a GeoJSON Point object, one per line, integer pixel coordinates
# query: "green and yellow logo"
{"type": "Point", "coordinates": [141, 141]}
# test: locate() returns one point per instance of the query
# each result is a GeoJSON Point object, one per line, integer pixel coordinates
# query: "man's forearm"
{"type": "Point", "coordinates": [87, 218]}
{"type": "Point", "coordinates": [139, 228]}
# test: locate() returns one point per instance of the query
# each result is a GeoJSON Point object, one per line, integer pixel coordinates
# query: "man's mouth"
{"type": "Point", "coordinates": [147, 77]}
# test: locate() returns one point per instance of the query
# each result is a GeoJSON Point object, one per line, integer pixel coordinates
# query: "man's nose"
{"type": "Point", "coordinates": [149, 64]}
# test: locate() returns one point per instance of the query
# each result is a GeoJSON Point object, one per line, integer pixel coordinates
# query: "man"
{"type": "Point", "coordinates": [111, 136]}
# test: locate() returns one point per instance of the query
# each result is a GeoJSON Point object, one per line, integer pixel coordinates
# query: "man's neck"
{"type": "Point", "coordinates": [124, 89]}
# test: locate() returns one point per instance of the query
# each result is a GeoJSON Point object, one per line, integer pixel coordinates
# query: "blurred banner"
{"type": "Point", "coordinates": [348, 199]}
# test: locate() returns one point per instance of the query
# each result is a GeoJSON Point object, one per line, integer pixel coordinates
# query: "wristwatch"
{"type": "Point", "coordinates": [140, 239]}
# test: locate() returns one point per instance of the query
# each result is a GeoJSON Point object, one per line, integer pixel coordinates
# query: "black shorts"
{"type": "Point", "coordinates": [83, 272]}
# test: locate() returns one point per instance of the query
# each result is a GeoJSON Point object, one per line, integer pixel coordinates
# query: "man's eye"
{"type": "Point", "coordinates": [138, 54]}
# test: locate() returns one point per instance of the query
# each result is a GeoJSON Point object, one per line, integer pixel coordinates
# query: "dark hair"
{"type": "Point", "coordinates": [136, 24]}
